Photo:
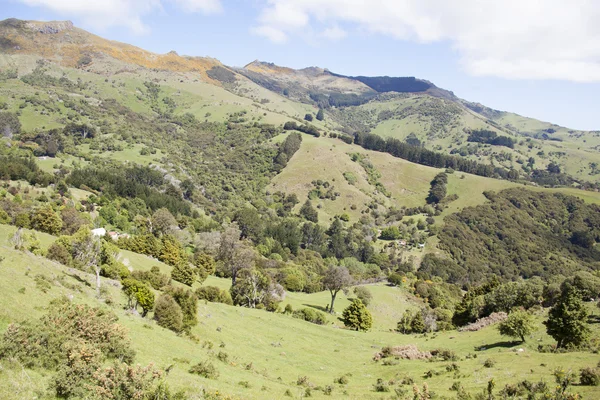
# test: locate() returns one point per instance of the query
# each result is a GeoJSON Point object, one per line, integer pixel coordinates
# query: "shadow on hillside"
{"type": "Point", "coordinates": [496, 345]}
{"type": "Point", "coordinates": [316, 307]}
{"type": "Point", "coordinates": [593, 319]}
{"type": "Point", "coordinates": [79, 279]}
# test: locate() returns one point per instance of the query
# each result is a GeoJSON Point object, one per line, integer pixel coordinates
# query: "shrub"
{"type": "Point", "coordinates": [310, 315]}
{"type": "Point", "coordinates": [589, 377]}
{"type": "Point", "coordinates": [489, 363]}
{"type": "Point", "coordinates": [288, 309]}
{"type": "Point", "coordinates": [363, 294]}
{"type": "Point", "coordinates": [168, 314]}
{"type": "Point", "coordinates": [342, 380]}
{"type": "Point", "coordinates": [183, 272]}
{"type": "Point", "coordinates": [356, 316]}
{"type": "Point", "coordinates": [188, 302]}
{"type": "Point", "coordinates": [214, 295]}
{"type": "Point", "coordinates": [222, 356]}
{"type": "Point", "coordinates": [381, 386]}
{"type": "Point", "coordinates": [59, 253]}
{"type": "Point", "coordinates": [205, 369]}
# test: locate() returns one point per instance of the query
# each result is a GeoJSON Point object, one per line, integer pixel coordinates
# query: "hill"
{"type": "Point", "coordinates": [241, 214]}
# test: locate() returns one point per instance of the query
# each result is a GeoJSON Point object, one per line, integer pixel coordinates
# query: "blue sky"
{"type": "Point", "coordinates": [538, 58]}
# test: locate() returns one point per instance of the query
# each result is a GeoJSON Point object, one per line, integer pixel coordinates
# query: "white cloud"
{"type": "Point", "coordinates": [334, 33]}
{"type": "Point", "coordinates": [103, 14]}
{"type": "Point", "coordinates": [204, 6]}
{"type": "Point", "coordinates": [534, 39]}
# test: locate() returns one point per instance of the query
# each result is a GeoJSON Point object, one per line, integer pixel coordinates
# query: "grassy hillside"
{"type": "Point", "coordinates": [278, 348]}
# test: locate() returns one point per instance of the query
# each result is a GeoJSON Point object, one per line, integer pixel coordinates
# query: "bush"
{"type": "Point", "coordinates": [363, 294]}
{"type": "Point", "coordinates": [205, 369]}
{"type": "Point", "coordinates": [589, 377]}
{"type": "Point", "coordinates": [357, 317]}
{"type": "Point", "coordinates": [310, 315]}
{"type": "Point", "coordinates": [59, 253]}
{"type": "Point", "coordinates": [184, 273]}
{"type": "Point", "coordinates": [188, 302]}
{"type": "Point", "coordinates": [214, 295]}
{"type": "Point", "coordinates": [489, 363]}
{"type": "Point", "coordinates": [168, 314]}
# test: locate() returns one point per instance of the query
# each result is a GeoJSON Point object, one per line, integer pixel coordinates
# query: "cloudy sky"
{"type": "Point", "coordinates": [539, 58]}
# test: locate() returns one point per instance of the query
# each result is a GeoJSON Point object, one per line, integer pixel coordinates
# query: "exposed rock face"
{"type": "Point", "coordinates": [51, 28]}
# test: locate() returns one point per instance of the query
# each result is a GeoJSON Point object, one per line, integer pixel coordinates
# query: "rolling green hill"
{"type": "Point", "coordinates": [260, 186]}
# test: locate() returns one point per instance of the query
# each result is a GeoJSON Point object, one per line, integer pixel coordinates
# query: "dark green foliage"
{"type": "Point", "coordinates": [168, 314]}
{"type": "Point", "coordinates": [567, 320]}
{"type": "Point", "coordinates": [308, 212]}
{"type": "Point", "coordinates": [383, 84]}
{"type": "Point", "coordinates": [423, 156]}
{"type": "Point", "coordinates": [59, 253]}
{"type": "Point", "coordinates": [308, 117]}
{"type": "Point", "coordinates": [135, 182]}
{"type": "Point", "coordinates": [320, 115]}
{"type": "Point", "coordinates": [183, 272]}
{"type": "Point", "coordinates": [41, 343]}
{"type": "Point", "coordinates": [188, 302]}
{"type": "Point", "coordinates": [390, 233]}
{"type": "Point", "coordinates": [357, 317]}
{"type": "Point", "coordinates": [519, 324]}
{"type": "Point", "coordinates": [205, 369]}
{"type": "Point", "coordinates": [44, 219]}
{"type": "Point", "coordinates": [520, 233]}
{"type": "Point", "coordinates": [154, 278]}
{"type": "Point", "coordinates": [214, 295]}
{"type": "Point", "coordinates": [205, 265]}
{"type": "Point", "coordinates": [138, 294]}
{"type": "Point", "coordinates": [589, 377]}
{"type": "Point", "coordinates": [17, 168]}
{"type": "Point", "coordinates": [490, 137]}
{"type": "Point", "coordinates": [395, 279]}
{"type": "Point", "coordinates": [305, 128]}
{"type": "Point", "coordinates": [221, 74]}
{"type": "Point", "coordinates": [310, 315]}
{"type": "Point", "coordinates": [287, 149]}
{"type": "Point", "coordinates": [437, 193]}
{"type": "Point", "coordinates": [9, 124]}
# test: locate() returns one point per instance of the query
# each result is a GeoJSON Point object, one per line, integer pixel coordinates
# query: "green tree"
{"type": "Point", "coordinates": [184, 273]}
{"type": "Point", "coordinates": [417, 325]}
{"type": "Point", "coordinates": [390, 233]}
{"type": "Point", "coordinates": [336, 279]}
{"type": "Point", "coordinates": [357, 317]}
{"type": "Point", "coordinates": [46, 220]}
{"type": "Point", "coordinates": [308, 117]}
{"type": "Point", "coordinates": [320, 115]}
{"type": "Point", "coordinates": [168, 314]}
{"type": "Point", "coordinates": [518, 325]}
{"type": "Point", "coordinates": [567, 319]}
{"type": "Point", "coordinates": [308, 212]}
{"type": "Point", "coordinates": [188, 302]}
{"type": "Point", "coordinates": [205, 265]}
{"type": "Point", "coordinates": [138, 294]}
{"type": "Point", "coordinates": [363, 294]}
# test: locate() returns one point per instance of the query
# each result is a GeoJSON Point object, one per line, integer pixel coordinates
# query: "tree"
{"type": "Point", "coordinates": [254, 288]}
{"type": "Point", "coordinates": [183, 272]}
{"type": "Point", "coordinates": [390, 233]}
{"type": "Point", "coordinates": [138, 294]}
{"type": "Point", "coordinates": [567, 319]}
{"type": "Point", "coordinates": [308, 212]}
{"type": "Point", "coordinates": [357, 317]}
{"type": "Point", "coordinates": [363, 294]}
{"type": "Point", "coordinates": [205, 265]}
{"type": "Point", "coordinates": [308, 117]}
{"type": "Point", "coordinates": [518, 325]}
{"type": "Point", "coordinates": [188, 302]}
{"type": "Point", "coordinates": [163, 222]}
{"type": "Point", "coordinates": [86, 250]}
{"type": "Point", "coordinates": [336, 279]}
{"type": "Point", "coordinates": [46, 220]}
{"type": "Point", "coordinates": [320, 115]}
{"type": "Point", "coordinates": [167, 313]}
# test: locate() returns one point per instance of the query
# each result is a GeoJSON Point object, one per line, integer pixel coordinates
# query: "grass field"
{"type": "Point", "coordinates": [267, 352]}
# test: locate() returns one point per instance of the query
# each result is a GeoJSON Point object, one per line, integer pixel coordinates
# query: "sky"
{"type": "Point", "coordinates": [538, 58]}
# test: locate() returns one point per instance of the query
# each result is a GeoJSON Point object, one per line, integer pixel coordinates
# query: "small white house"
{"type": "Point", "coordinates": [99, 232]}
